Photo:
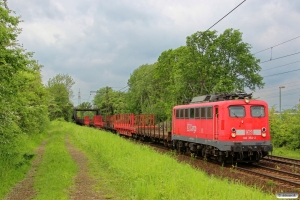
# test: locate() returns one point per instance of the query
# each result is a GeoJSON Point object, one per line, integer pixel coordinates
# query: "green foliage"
{"type": "Point", "coordinates": [87, 105]}
{"type": "Point", "coordinates": [59, 88]}
{"type": "Point", "coordinates": [110, 102]}
{"type": "Point", "coordinates": [285, 131]}
{"type": "Point", "coordinates": [209, 63]}
{"type": "Point", "coordinates": [22, 96]}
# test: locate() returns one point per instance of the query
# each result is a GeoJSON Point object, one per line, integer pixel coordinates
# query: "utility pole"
{"type": "Point", "coordinates": [91, 94]}
{"type": "Point", "coordinates": [79, 98]}
{"type": "Point", "coordinates": [106, 101]}
{"type": "Point", "coordinates": [280, 100]}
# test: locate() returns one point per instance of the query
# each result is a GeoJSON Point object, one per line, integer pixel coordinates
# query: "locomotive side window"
{"type": "Point", "coordinates": [177, 114]}
{"type": "Point", "coordinates": [197, 112]}
{"type": "Point", "coordinates": [181, 114]}
{"type": "Point", "coordinates": [257, 111]}
{"type": "Point", "coordinates": [186, 113]}
{"type": "Point", "coordinates": [237, 111]}
{"type": "Point", "coordinates": [203, 113]}
{"type": "Point", "coordinates": [209, 113]}
{"type": "Point", "coordinates": [192, 112]}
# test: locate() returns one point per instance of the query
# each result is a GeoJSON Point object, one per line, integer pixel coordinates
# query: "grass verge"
{"type": "Point", "coordinates": [284, 152]}
{"type": "Point", "coordinates": [15, 166]}
{"type": "Point", "coordinates": [55, 175]}
{"type": "Point", "coordinates": [125, 170]}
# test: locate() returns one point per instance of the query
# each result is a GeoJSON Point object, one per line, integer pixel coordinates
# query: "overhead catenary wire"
{"type": "Point", "coordinates": [282, 73]}
{"type": "Point", "coordinates": [286, 93]}
{"type": "Point", "coordinates": [275, 88]}
{"type": "Point", "coordinates": [280, 66]}
{"type": "Point", "coordinates": [226, 15]}
{"type": "Point", "coordinates": [279, 57]}
{"type": "Point", "coordinates": [276, 45]}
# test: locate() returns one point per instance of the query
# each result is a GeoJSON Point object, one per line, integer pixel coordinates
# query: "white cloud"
{"type": "Point", "coordinates": [99, 43]}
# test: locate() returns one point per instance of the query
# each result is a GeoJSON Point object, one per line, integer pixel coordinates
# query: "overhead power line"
{"type": "Point", "coordinates": [282, 73]}
{"type": "Point", "coordinates": [280, 66]}
{"type": "Point", "coordinates": [277, 45]}
{"type": "Point", "coordinates": [226, 15]}
{"type": "Point", "coordinates": [280, 57]}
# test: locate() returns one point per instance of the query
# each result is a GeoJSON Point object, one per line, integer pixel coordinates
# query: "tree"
{"type": "Point", "coordinates": [65, 80]}
{"type": "Point", "coordinates": [221, 63]}
{"type": "Point", "coordinates": [208, 64]}
{"type": "Point", "coordinates": [22, 95]}
{"type": "Point", "coordinates": [60, 90]}
{"type": "Point", "coordinates": [110, 102]}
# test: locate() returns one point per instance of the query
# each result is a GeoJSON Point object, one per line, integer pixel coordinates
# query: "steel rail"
{"type": "Point", "coordinates": [280, 171]}
{"type": "Point", "coordinates": [270, 177]}
{"type": "Point", "coordinates": [282, 160]}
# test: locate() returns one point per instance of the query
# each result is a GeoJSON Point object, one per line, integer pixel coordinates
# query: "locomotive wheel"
{"type": "Point", "coordinates": [178, 149]}
{"type": "Point", "coordinates": [203, 152]}
{"type": "Point", "coordinates": [220, 158]}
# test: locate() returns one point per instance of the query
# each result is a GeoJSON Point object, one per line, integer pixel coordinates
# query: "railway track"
{"type": "Point", "coordinates": [271, 176]}
{"type": "Point", "coordinates": [282, 160]}
{"type": "Point", "coordinates": [279, 176]}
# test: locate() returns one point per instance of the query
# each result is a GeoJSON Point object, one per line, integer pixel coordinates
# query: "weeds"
{"type": "Point", "coordinates": [294, 169]}
{"type": "Point", "coordinates": [271, 183]}
{"type": "Point", "coordinates": [222, 167]}
{"type": "Point", "coordinates": [193, 157]}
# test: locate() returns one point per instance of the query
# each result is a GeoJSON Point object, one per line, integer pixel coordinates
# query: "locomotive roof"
{"type": "Point", "coordinates": [224, 98]}
{"type": "Point", "coordinates": [220, 97]}
{"type": "Point", "coordinates": [227, 102]}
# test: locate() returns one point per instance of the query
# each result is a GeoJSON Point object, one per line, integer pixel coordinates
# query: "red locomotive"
{"type": "Point", "coordinates": [226, 127]}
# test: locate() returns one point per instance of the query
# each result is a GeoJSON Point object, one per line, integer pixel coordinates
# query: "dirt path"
{"type": "Point", "coordinates": [24, 189]}
{"type": "Point", "coordinates": [83, 182]}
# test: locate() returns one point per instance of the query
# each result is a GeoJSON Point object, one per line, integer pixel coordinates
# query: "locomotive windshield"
{"type": "Point", "coordinates": [237, 111]}
{"type": "Point", "coordinates": [257, 111]}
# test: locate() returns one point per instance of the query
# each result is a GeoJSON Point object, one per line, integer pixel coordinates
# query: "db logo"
{"type": "Point", "coordinates": [249, 132]}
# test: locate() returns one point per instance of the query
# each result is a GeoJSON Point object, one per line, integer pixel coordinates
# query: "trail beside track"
{"type": "Point", "coordinates": [83, 182]}
{"type": "Point", "coordinates": [24, 189]}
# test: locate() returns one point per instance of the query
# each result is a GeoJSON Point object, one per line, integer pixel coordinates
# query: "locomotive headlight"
{"type": "Point", "coordinates": [247, 100]}
{"type": "Point", "coordinates": [233, 132]}
{"type": "Point", "coordinates": [263, 129]}
{"type": "Point", "coordinates": [264, 134]}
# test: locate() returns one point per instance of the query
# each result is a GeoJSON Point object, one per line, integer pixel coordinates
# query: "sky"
{"type": "Point", "coordinates": [100, 43]}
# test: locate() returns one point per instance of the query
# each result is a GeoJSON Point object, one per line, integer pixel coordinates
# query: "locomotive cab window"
{"type": "Point", "coordinates": [237, 111]}
{"type": "Point", "coordinates": [257, 111]}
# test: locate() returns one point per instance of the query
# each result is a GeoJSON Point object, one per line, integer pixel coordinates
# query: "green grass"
{"type": "Point", "coordinates": [122, 169]}
{"type": "Point", "coordinates": [284, 152]}
{"type": "Point", "coordinates": [15, 166]}
{"type": "Point", "coordinates": [126, 170]}
{"type": "Point", "coordinates": [56, 173]}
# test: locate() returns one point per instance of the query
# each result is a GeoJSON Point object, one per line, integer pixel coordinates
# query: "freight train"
{"type": "Point", "coordinates": [224, 127]}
